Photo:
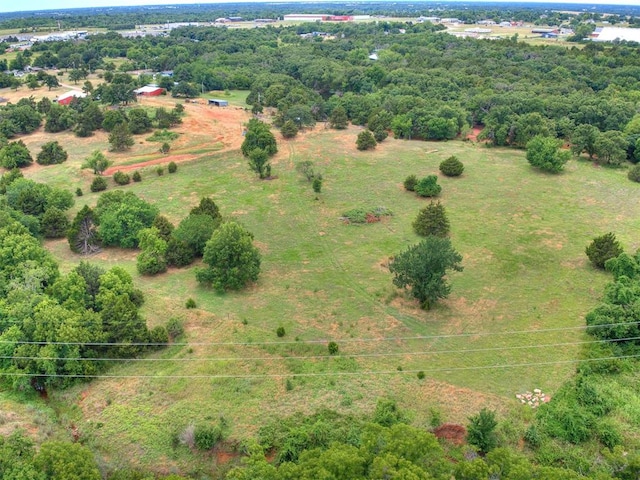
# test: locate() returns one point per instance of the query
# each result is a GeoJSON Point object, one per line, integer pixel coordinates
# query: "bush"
{"type": "Point", "coordinates": [317, 185]}
{"type": "Point", "coordinates": [160, 171]}
{"type": "Point", "coordinates": [608, 434]}
{"type": "Point", "coordinates": [380, 135]}
{"type": "Point", "coordinates": [365, 141]}
{"type": "Point", "coordinates": [420, 375]}
{"type": "Point", "coordinates": [280, 332]}
{"type": "Point", "coordinates": [159, 335]}
{"type": "Point", "coordinates": [428, 186]}
{"type": "Point", "coordinates": [602, 249]}
{"type": "Point", "coordinates": [78, 192]}
{"type": "Point", "coordinates": [121, 178]}
{"type": "Point", "coordinates": [333, 348]}
{"type": "Point", "coordinates": [136, 176]}
{"type": "Point", "coordinates": [634, 173]}
{"type": "Point", "coordinates": [164, 148]}
{"type": "Point", "coordinates": [387, 413]}
{"type": "Point", "coordinates": [206, 436]}
{"type": "Point", "coordinates": [99, 184]}
{"type": "Point", "coordinates": [191, 303]}
{"type": "Point", "coordinates": [481, 430]}
{"type": "Point", "coordinates": [451, 167]}
{"type": "Point", "coordinates": [362, 215]}
{"type": "Point", "coordinates": [179, 253]}
{"type": "Point", "coordinates": [289, 129]}
{"type": "Point", "coordinates": [173, 167]}
{"type": "Point", "coordinates": [51, 154]}
{"type": "Point", "coordinates": [175, 328]}
{"type": "Point", "coordinates": [410, 183]}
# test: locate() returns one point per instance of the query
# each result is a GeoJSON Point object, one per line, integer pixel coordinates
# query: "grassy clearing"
{"type": "Point", "coordinates": [522, 235]}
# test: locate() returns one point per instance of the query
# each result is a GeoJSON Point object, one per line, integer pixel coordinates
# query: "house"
{"type": "Point", "coordinates": [218, 103]}
{"type": "Point", "coordinates": [149, 91]}
{"type": "Point", "coordinates": [67, 98]}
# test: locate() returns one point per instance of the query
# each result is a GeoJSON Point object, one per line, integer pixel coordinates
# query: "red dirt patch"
{"type": "Point", "coordinates": [452, 433]}
{"type": "Point", "coordinates": [475, 131]}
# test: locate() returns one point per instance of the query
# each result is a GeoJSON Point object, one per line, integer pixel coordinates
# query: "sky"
{"type": "Point", "coordinates": [13, 6]}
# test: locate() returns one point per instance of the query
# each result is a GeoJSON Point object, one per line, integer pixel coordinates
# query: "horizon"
{"type": "Point", "coordinates": [49, 5]}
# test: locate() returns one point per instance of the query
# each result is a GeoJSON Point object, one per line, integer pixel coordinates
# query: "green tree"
{"type": "Point", "coordinates": [481, 431]}
{"type": "Point", "coordinates": [603, 248]}
{"type": "Point", "coordinates": [583, 139]}
{"type": "Point", "coordinates": [289, 129]}
{"type": "Point", "coordinates": [258, 135]}
{"type": "Point", "coordinates": [66, 461]}
{"type": "Point", "coordinates": [634, 173]}
{"type": "Point", "coordinates": [259, 162]}
{"type": "Point", "coordinates": [152, 258]}
{"type": "Point", "coordinates": [97, 161]}
{"type": "Point", "coordinates": [545, 153]}
{"type": "Point", "coordinates": [15, 155]}
{"type": "Point", "coordinates": [207, 207]}
{"type": "Point", "coordinates": [54, 223]}
{"type": "Point", "coordinates": [432, 220]}
{"type": "Point", "coordinates": [232, 259]}
{"type": "Point", "coordinates": [410, 183]}
{"type": "Point", "coordinates": [452, 167]}
{"type": "Point", "coordinates": [52, 153]}
{"type": "Point", "coordinates": [164, 226]}
{"type": "Point", "coordinates": [428, 186]}
{"type": "Point", "coordinates": [113, 118]}
{"type": "Point", "coordinates": [338, 118]}
{"type": "Point", "coordinates": [423, 268]}
{"type": "Point", "coordinates": [139, 121]}
{"type": "Point", "coordinates": [59, 118]}
{"type": "Point", "coordinates": [121, 216]}
{"type": "Point", "coordinates": [51, 81]}
{"type": "Point", "coordinates": [365, 140]}
{"type": "Point", "coordinates": [120, 138]}
{"type": "Point", "coordinates": [195, 230]}
{"type": "Point", "coordinates": [76, 75]}
{"type": "Point", "coordinates": [611, 148]}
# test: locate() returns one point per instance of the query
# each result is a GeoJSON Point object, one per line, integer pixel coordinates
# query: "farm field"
{"type": "Point", "coordinates": [526, 283]}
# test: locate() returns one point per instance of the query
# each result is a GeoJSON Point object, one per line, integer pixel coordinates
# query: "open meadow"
{"type": "Point", "coordinates": [513, 322]}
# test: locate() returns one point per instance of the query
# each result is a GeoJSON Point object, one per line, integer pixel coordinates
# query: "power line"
{"type": "Point", "coordinates": [321, 374]}
{"type": "Point", "coordinates": [322, 341]}
{"type": "Point", "coordinates": [317, 357]}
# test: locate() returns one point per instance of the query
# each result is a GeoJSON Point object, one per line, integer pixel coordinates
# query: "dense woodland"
{"type": "Point", "coordinates": [424, 85]}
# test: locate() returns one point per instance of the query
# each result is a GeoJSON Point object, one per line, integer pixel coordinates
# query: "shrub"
{"type": "Point", "coordinates": [78, 192]}
{"type": "Point", "coordinates": [160, 171]}
{"type": "Point", "coordinates": [163, 135]}
{"type": "Point", "coordinates": [451, 167]}
{"type": "Point", "coordinates": [173, 167]}
{"type": "Point", "coordinates": [532, 436]}
{"type": "Point", "coordinates": [634, 173]}
{"type": "Point", "coordinates": [175, 328]}
{"type": "Point", "coordinates": [317, 185]}
{"type": "Point", "coordinates": [165, 147]}
{"type": "Point", "coordinates": [159, 334]}
{"type": "Point", "coordinates": [52, 153]}
{"type": "Point", "coordinates": [365, 141]}
{"type": "Point", "coordinates": [280, 332]}
{"type": "Point", "coordinates": [179, 253]}
{"type": "Point", "coordinates": [99, 184]}
{"type": "Point", "coordinates": [121, 178]}
{"type": "Point", "coordinates": [136, 176]}
{"type": "Point", "coordinates": [380, 135]}
{"type": "Point", "coordinates": [420, 375]}
{"type": "Point", "coordinates": [333, 348]}
{"type": "Point", "coordinates": [432, 220]}
{"type": "Point", "coordinates": [363, 215]}
{"type": "Point", "coordinates": [191, 303]}
{"type": "Point", "coordinates": [206, 436]}
{"type": "Point", "coordinates": [289, 129]}
{"type": "Point", "coordinates": [410, 183]}
{"type": "Point", "coordinates": [602, 249]}
{"type": "Point", "coordinates": [387, 413]}
{"type": "Point", "coordinates": [428, 186]}
{"type": "Point", "coordinates": [608, 434]}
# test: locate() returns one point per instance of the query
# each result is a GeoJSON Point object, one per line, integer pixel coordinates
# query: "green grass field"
{"type": "Point", "coordinates": [522, 236]}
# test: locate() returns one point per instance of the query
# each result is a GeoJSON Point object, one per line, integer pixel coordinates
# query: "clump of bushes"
{"type": "Point", "coordinates": [121, 178]}
{"type": "Point", "coordinates": [410, 183]}
{"type": "Point", "coordinates": [452, 167]}
{"type": "Point", "coordinates": [99, 184]}
{"type": "Point", "coordinates": [206, 436]}
{"type": "Point", "coordinates": [428, 186]}
{"type": "Point", "coordinates": [173, 167]}
{"type": "Point", "coordinates": [136, 176]}
{"type": "Point", "coordinates": [163, 135]}
{"type": "Point", "coordinates": [363, 215]}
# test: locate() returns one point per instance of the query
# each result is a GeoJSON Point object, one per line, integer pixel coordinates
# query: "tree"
{"type": "Point", "coordinates": [51, 81]}
{"type": "Point", "coordinates": [544, 153]}
{"type": "Point", "coordinates": [121, 216]}
{"type": "Point", "coordinates": [428, 186]}
{"type": "Point", "coordinates": [76, 75]}
{"type": "Point", "coordinates": [481, 431]}
{"type": "Point", "coordinates": [97, 161]}
{"type": "Point", "coordinates": [365, 140]}
{"type": "Point", "coordinates": [164, 226]}
{"type": "Point", "coordinates": [232, 259]}
{"type": "Point", "coordinates": [98, 184]}
{"type": "Point", "coordinates": [15, 155]}
{"type": "Point", "coordinates": [52, 153]}
{"type": "Point", "coordinates": [423, 267]}
{"type": "Point", "coordinates": [410, 183]}
{"type": "Point", "coordinates": [195, 231]}
{"type": "Point", "coordinates": [120, 138]}
{"type": "Point", "coordinates": [112, 118]}
{"type": "Point", "coordinates": [139, 121]}
{"type": "Point", "coordinates": [583, 139]}
{"type": "Point", "coordinates": [152, 259]}
{"type": "Point", "coordinates": [289, 129]}
{"type": "Point", "coordinates": [59, 118]}
{"type": "Point", "coordinates": [54, 223]}
{"type": "Point", "coordinates": [83, 234]}
{"type": "Point", "coordinates": [207, 207]}
{"type": "Point", "coordinates": [611, 148]}
{"type": "Point", "coordinates": [68, 461]}
{"type": "Point", "coordinates": [258, 135]}
{"type": "Point", "coordinates": [634, 173]}
{"type": "Point", "coordinates": [432, 220]}
{"type": "Point", "coordinates": [338, 118]}
{"type": "Point", "coordinates": [452, 167]}
{"type": "Point", "coordinates": [603, 248]}
{"type": "Point", "coordinates": [259, 162]}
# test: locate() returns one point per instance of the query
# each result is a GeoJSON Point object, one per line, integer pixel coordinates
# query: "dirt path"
{"type": "Point", "coordinates": [473, 136]}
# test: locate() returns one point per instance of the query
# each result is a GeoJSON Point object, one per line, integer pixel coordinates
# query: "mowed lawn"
{"type": "Point", "coordinates": [521, 233]}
